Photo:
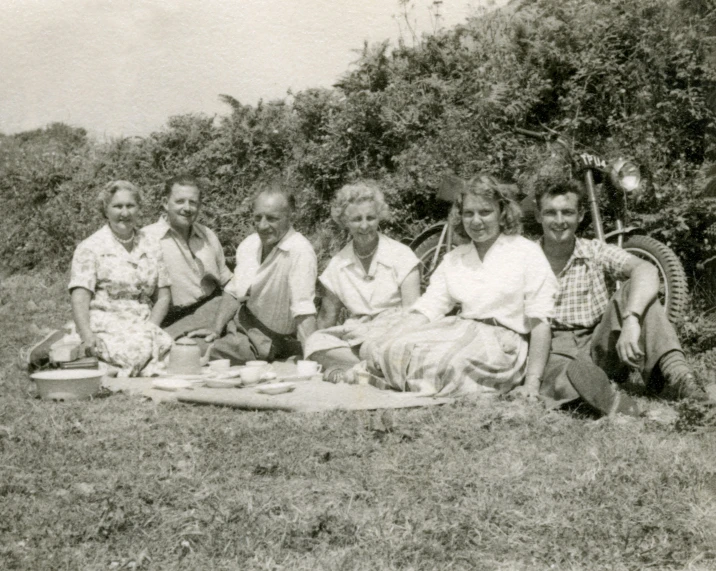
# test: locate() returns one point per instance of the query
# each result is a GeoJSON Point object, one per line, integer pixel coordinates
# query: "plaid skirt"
{"type": "Point", "coordinates": [354, 332]}
{"type": "Point", "coordinates": [452, 356]}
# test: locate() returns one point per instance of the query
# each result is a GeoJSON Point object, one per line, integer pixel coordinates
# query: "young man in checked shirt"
{"type": "Point", "coordinates": [596, 337]}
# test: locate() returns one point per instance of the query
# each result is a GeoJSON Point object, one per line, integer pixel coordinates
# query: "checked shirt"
{"type": "Point", "coordinates": [583, 293]}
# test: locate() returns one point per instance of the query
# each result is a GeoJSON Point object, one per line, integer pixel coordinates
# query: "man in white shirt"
{"type": "Point", "coordinates": [194, 257]}
{"type": "Point", "coordinates": [267, 310]}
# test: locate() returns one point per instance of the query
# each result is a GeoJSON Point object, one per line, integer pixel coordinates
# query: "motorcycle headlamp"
{"type": "Point", "coordinates": [625, 175]}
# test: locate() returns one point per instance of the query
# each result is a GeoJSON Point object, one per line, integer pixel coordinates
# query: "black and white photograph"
{"type": "Point", "coordinates": [408, 285]}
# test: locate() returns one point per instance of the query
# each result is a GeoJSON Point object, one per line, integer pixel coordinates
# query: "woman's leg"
{"type": "Point", "coordinates": [453, 353]}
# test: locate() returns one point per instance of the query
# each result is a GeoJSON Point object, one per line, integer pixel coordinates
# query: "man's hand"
{"type": "Point", "coordinates": [628, 344]}
{"type": "Point", "coordinates": [207, 334]}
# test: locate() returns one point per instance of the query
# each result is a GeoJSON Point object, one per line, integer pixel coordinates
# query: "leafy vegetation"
{"type": "Point", "coordinates": [121, 483]}
{"type": "Point", "coordinates": [628, 77]}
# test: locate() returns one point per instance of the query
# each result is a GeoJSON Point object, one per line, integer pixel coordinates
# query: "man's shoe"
{"type": "Point", "coordinates": [594, 387]}
{"type": "Point", "coordinates": [688, 388]}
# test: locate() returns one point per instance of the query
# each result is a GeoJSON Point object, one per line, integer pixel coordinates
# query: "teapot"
{"type": "Point", "coordinates": [185, 357]}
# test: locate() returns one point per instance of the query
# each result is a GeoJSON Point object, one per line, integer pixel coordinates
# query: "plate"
{"type": "Point", "coordinates": [223, 383]}
{"type": "Point", "coordinates": [296, 377]}
{"type": "Point", "coordinates": [172, 384]}
{"type": "Point", "coordinates": [173, 376]}
{"type": "Point", "coordinates": [276, 388]}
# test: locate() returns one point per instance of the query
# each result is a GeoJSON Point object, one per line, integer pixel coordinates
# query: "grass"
{"type": "Point", "coordinates": [123, 483]}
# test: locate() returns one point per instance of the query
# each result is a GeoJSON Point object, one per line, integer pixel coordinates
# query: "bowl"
{"type": "Point", "coordinates": [68, 384]}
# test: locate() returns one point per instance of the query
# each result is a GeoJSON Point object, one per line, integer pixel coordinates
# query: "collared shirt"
{"type": "Point", "coordinates": [370, 293]}
{"type": "Point", "coordinates": [195, 268]}
{"type": "Point", "coordinates": [514, 284]}
{"type": "Point", "coordinates": [280, 288]}
{"type": "Point", "coordinates": [583, 293]}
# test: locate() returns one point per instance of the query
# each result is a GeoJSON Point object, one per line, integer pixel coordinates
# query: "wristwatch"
{"type": "Point", "coordinates": [630, 312]}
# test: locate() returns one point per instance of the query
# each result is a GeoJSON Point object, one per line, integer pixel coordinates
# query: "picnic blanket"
{"type": "Point", "coordinates": [311, 395]}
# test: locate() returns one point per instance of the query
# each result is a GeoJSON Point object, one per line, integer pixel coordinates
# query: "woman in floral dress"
{"type": "Point", "coordinates": [120, 287]}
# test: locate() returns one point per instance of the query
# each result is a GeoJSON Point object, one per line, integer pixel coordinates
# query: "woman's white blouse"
{"type": "Point", "coordinates": [374, 291]}
{"type": "Point", "coordinates": [514, 285]}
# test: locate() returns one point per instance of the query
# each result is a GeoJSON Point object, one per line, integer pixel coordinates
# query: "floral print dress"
{"type": "Point", "coordinates": [122, 284]}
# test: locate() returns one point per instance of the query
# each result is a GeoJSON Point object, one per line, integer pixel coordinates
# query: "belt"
{"type": "Point", "coordinates": [176, 313]}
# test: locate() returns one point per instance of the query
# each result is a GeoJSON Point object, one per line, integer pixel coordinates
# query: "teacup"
{"type": "Point", "coordinates": [308, 368]}
{"type": "Point", "coordinates": [362, 378]}
{"type": "Point", "coordinates": [220, 365]}
{"type": "Point", "coordinates": [253, 371]}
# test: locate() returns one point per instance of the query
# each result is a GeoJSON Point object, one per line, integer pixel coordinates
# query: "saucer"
{"type": "Point", "coordinates": [221, 383]}
{"type": "Point", "coordinates": [173, 384]}
{"type": "Point", "coordinates": [275, 388]}
{"type": "Point", "coordinates": [230, 373]}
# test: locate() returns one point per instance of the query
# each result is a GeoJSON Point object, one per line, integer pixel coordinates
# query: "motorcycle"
{"type": "Point", "coordinates": [618, 180]}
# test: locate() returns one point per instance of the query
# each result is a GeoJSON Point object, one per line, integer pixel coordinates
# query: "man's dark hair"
{"type": "Point", "coordinates": [559, 188]}
{"type": "Point", "coordinates": [181, 180]}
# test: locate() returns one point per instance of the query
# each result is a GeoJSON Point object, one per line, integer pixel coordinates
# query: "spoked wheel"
{"type": "Point", "coordinates": [426, 252]}
{"type": "Point", "coordinates": [673, 288]}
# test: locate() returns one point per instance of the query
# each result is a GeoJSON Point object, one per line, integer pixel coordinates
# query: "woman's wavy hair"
{"type": "Point", "coordinates": [355, 193]}
{"type": "Point", "coordinates": [486, 186]}
{"type": "Point", "coordinates": [111, 188]}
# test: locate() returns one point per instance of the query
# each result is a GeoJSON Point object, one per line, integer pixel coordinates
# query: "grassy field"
{"type": "Point", "coordinates": [124, 483]}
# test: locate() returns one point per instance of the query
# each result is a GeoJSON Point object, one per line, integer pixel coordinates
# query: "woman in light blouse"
{"type": "Point", "coordinates": [505, 288]}
{"type": "Point", "coordinates": [373, 278]}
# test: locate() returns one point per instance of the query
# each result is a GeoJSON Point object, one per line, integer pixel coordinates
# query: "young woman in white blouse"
{"type": "Point", "coordinates": [373, 278]}
{"type": "Point", "coordinates": [505, 289]}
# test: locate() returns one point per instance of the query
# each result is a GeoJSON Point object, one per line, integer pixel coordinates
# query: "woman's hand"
{"type": "Point", "coordinates": [88, 347]}
{"type": "Point", "coordinates": [526, 392]}
{"type": "Point", "coordinates": [529, 390]}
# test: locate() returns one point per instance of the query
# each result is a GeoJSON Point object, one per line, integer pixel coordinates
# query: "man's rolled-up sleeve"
{"type": "Point", "coordinates": [225, 274]}
{"type": "Point", "coordinates": [245, 271]}
{"type": "Point", "coordinates": [302, 282]}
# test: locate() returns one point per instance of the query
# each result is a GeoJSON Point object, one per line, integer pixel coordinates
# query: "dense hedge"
{"type": "Point", "coordinates": [620, 76]}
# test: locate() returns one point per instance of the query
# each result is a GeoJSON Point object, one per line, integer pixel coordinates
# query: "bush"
{"type": "Point", "coordinates": [628, 77]}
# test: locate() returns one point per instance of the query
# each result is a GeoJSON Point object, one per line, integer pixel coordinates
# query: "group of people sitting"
{"type": "Point", "coordinates": [501, 312]}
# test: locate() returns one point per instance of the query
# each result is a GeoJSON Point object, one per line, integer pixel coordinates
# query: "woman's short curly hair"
{"type": "Point", "coordinates": [111, 188]}
{"type": "Point", "coordinates": [355, 193]}
{"type": "Point", "coordinates": [486, 186]}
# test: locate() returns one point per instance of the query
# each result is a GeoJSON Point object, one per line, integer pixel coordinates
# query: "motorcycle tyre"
{"type": "Point", "coordinates": [671, 273]}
